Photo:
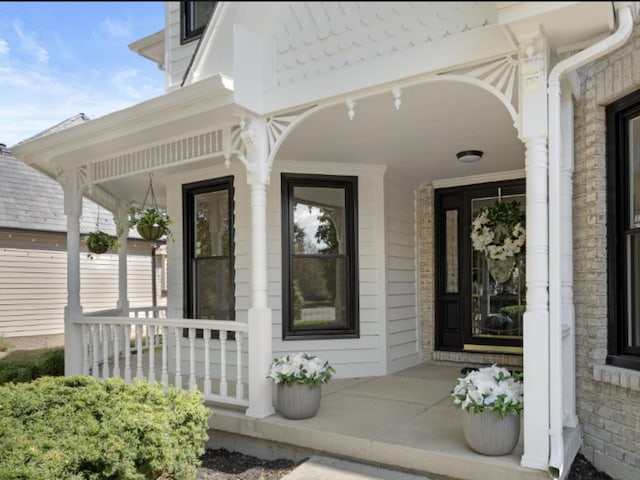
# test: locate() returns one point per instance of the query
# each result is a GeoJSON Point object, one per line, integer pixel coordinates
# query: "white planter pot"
{"type": "Point", "coordinates": [297, 401]}
{"type": "Point", "coordinates": [488, 434]}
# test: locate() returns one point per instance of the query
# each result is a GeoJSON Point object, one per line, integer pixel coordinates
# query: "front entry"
{"type": "Point", "coordinates": [480, 301]}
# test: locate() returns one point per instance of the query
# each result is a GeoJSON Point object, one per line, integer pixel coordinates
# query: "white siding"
{"type": "Point", "coordinates": [401, 274]}
{"type": "Point", "coordinates": [362, 356]}
{"type": "Point", "coordinates": [33, 282]}
{"type": "Point", "coordinates": [178, 56]}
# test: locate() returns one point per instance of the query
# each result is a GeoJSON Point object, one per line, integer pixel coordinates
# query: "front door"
{"type": "Point", "coordinates": [480, 302]}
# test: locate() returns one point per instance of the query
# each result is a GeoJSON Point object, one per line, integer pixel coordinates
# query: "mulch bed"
{"type": "Point", "coordinates": [224, 465]}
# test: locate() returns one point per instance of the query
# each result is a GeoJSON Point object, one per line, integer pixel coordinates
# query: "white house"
{"type": "Point", "coordinates": [323, 163]}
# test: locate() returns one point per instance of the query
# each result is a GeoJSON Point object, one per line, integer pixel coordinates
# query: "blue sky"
{"type": "Point", "coordinates": [58, 59]}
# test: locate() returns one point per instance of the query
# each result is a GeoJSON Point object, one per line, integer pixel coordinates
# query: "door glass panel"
{"type": "Point", "coordinates": [212, 224]}
{"type": "Point", "coordinates": [213, 289]}
{"type": "Point", "coordinates": [498, 287]}
{"type": "Point", "coordinates": [451, 251]}
{"type": "Point", "coordinates": [633, 294]}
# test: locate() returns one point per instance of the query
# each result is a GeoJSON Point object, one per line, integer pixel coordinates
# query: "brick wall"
{"type": "Point", "coordinates": [608, 399]}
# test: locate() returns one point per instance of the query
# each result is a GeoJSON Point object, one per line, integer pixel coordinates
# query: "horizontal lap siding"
{"type": "Point", "coordinates": [401, 258]}
{"type": "Point", "coordinates": [33, 286]}
{"type": "Point", "coordinates": [179, 56]}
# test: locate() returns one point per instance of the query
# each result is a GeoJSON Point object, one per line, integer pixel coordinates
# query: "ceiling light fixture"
{"type": "Point", "coordinates": [469, 156]}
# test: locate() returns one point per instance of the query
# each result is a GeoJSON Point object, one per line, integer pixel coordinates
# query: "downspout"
{"type": "Point", "coordinates": [603, 47]}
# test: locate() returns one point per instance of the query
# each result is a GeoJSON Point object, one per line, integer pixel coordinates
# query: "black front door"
{"type": "Point", "coordinates": [477, 309]}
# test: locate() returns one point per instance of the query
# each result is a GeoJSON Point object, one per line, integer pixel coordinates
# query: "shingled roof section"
{"type": "Point", "coordinates": [30, 200]}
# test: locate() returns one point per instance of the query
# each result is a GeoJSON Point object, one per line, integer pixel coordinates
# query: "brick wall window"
{"type": "Point", "coordinates": [623, 230]}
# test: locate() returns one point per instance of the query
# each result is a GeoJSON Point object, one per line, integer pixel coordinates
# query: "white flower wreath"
{"type": "Point", "coordinates": [498, 231]}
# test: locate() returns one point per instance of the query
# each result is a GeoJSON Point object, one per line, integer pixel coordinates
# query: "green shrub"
{"type": "Point", "coordinates": [81, 428]}
{"type": "Point", "coordinates": [25, 366]}
{"type": "Point", "coordinates": [5, 344]}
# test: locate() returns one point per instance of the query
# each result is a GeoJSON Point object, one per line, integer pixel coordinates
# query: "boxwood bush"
{"type": "Point", "coordinates": [81, 428]}
{"type": "Point", "coordinates": [31, 365]}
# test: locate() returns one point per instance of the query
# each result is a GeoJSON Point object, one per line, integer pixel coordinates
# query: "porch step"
{"type": "Point", "coordinates": [324, 468]}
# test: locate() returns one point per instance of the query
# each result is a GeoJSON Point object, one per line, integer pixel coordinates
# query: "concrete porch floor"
{"type": "Point", "coordinates": [405, 421]}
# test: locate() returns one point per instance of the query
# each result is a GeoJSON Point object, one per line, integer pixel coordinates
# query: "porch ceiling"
{"type": "Point", "coordinates": [420, 139]}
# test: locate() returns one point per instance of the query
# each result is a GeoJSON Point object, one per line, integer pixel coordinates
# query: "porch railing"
{"type": "Point", "coordinates": [146, 344]}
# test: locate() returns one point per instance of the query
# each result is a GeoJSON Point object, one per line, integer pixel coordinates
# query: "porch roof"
{"type": "Point", "coordinates": [202, 106]}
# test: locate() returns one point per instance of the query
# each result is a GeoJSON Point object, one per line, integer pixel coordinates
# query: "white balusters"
{"type": "Point", "coordinates": [223, 363]}
{"type": "Point", "coordinates": [178, 379]}
{"type": "Point", "coordinates": [207, 362]}
{"type": "Point", "coordinates": [95, 367]}
{"type": "Point", "coordinates": [116, 349]}
{"type": "Point", "coordinates": [139, 373]}
{"type": "Point", "coordinates": [127, 353]}
{"type": "Point", "coordinates": [192, 357]}
{"type": "Point", "coordinates": [239, 384]}
{"type": "Point", "coordinates": [85, 349]}
{"type": "Point", "coordinates": [151, 330]}
{"type": "Point", "coordinates": [164, 377]}
{"type": "Point", "coordinates": [108, 338]}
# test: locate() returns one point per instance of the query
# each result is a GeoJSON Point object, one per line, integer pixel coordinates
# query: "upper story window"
{"type": "Point", "coordinates": [623, 223]}
{"type": "Point", "coordinates": [195, 16]}
{"type": "Point", "coordinates": [320, 258]}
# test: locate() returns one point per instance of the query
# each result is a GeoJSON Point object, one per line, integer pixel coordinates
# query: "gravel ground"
{"type": "Point", "coordinates": [223, 465]}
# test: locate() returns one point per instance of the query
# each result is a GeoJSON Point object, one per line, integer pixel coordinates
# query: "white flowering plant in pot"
{"type": "Point", "coordinates": [498, 231]}
{"type": "Point", "coordinates": [491, 388]}
{"type": "Point", "coordinates": [300, 368]}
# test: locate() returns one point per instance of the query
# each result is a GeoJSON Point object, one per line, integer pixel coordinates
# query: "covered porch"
{"type": "Point", "coordinates": [405, 421]}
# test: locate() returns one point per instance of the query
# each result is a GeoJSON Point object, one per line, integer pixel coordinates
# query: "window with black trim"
{"type": "Point", "coordinates": [195, 16]}
{"type": "Point", "coordinates": [209, 253]}
{"type": "Point", "coordinates": [623, 224]}
{"type": "Point", "coordinates": [320, 257]}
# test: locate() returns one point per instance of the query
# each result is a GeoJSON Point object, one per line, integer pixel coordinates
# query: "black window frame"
{"type": "Point", "coordinates": [189, 191]}
{"type": "Point", "coordinates": [188, 32]}
{"type": "Point", "coordinates": [618, 115]}
{"type": "Point", "coordinates": [350, 185]}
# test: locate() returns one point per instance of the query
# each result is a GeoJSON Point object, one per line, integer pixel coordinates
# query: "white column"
{"type": "Point", "coordinates": [260, 341]}
{"type": "Point", "coordinates": [123, 233]}
{"type": "Point", "coordinates": [72, 188]}
{"type": "Point", "coordinates": [536, 318]}
{"type": "Point", "coordinates": [533, 131]}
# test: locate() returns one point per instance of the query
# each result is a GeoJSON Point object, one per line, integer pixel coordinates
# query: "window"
{"type": "Point", "coordinates": [209, 261]}
{"type": "Point", "coordinates": [320, 271]}
{"type": "Point", "coordinates": [195, 16]}
{"type": "Point", "coordinates": [623, 223]}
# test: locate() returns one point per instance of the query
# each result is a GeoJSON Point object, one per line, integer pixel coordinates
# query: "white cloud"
{"type": "Point", "coordinates": [4, 47]}
{"type": "Point", "coordinates": [123, 81]}
{"type": "Point", "coordinates": [29, 44]}
{"type": "Point", "coordinates": [117, 28]}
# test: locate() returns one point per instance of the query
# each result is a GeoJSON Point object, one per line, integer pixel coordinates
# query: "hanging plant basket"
{"type": "Point", "coordinates": [99, 242]}
{"type": "Point", "coordinates": [150, 222]}
{"type": "Point", "coordinates": [150, 232]}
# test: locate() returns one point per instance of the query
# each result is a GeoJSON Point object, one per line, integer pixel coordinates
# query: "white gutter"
{"type": "Point", "coordinates": [603, 47]}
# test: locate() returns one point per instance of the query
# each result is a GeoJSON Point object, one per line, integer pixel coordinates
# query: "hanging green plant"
{"type": "Point", "coordinates": [99, 242]}
{"type": "Point", "coordinates": [150, 222]}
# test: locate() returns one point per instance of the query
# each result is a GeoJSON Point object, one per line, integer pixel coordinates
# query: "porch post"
{"type": "Point", "coordinates": [72, 188]}
{"type": "Point", "coordinates": [534, 132]}
{"type": "Point", "coordinates": [260, 343]}
{"type": "Point", "coordinates": [122, 215]}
